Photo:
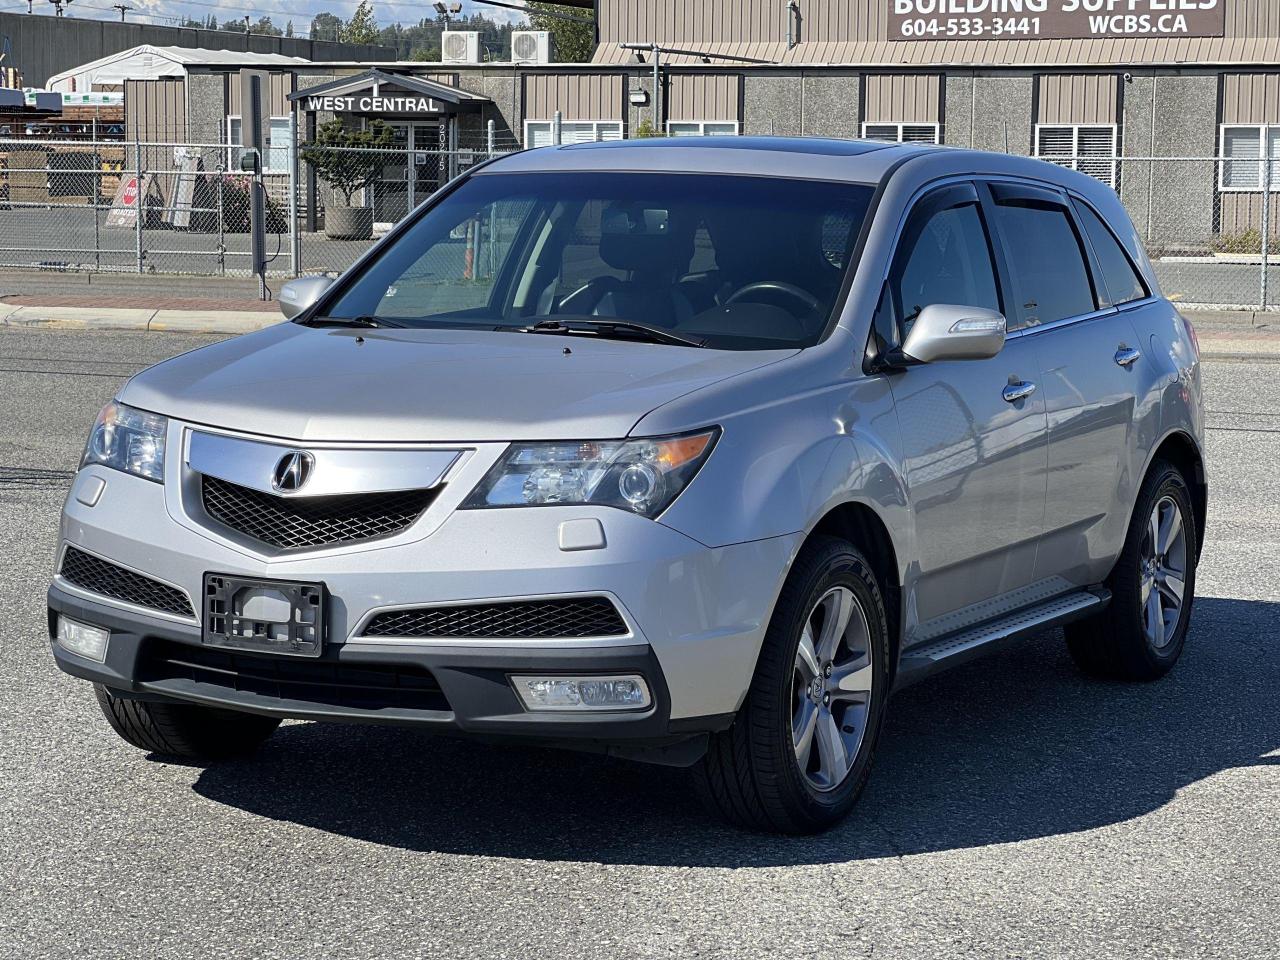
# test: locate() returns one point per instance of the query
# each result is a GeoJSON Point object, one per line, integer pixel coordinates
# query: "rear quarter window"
{"type": "Point", "coordinates": [1123, 282]}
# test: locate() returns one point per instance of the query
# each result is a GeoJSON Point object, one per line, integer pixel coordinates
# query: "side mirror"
{"type": "Point", "coordinates": [946, 331]}
{"type": "Point", "coordinates": [297, 295]}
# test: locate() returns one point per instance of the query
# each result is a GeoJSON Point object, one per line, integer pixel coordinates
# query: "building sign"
{"type": "Point", "coordinates": [369, 103]}
{"type": "Point", "coordinates": [1053, 19]}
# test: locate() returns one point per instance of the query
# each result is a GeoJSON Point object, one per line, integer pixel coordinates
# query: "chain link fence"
{"type": "Point", "coordinates": [1211, 225]}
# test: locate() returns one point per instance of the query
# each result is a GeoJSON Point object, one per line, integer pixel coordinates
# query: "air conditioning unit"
{"type": "Point", "coordinates": [460, 46]}
{"type": "Point", "coordinates": [530, 46]}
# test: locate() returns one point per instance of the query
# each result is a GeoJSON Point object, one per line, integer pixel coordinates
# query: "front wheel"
{"type": "Point", "coordinates": [798, 754]}
{"type": "Point", "coordinates": [1142, 632]}
{"type": "Point", "coordinates": [184, 731]}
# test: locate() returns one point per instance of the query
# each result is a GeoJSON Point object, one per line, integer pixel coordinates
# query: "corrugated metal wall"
{"type": "Point", "coordinates": [749, 21]}
{"type": "Point", "coordinates": [1078, 98]}
{"type": "Point", "coordinates": [1251, 98]}
{"type": "Point", "coordinates": [576, 96]}
{"type": "Point", "coordinates": [903, 98]}
{"type": "Point", "coordinates": [704, 97]}
{"type": "Point", "coordinates": [280, 85]}
{"type": "Point", "coordinates": [156, 109]}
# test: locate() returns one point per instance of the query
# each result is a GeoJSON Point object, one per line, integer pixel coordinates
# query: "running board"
{"type": "Point", "coordinates": [957, 648]}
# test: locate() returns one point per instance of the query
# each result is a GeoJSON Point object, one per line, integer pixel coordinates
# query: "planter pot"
{"type": "Point", "coordinates": [348, 223]}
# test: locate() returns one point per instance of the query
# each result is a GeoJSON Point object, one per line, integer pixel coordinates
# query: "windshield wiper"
{"type": "Point", "coordinates": [605, 327]}
{"type": "Point", "coordinates": [346, 322]}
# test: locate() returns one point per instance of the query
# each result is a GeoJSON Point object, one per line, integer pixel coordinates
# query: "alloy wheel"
{"type": "Point", "coordinates": [831, 689]}
{"type": "Point", "coordinates": [1164, 572]}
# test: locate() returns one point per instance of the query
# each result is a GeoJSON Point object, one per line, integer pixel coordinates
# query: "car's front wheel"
{"type": "Point", "coordinates": [800, 750]}
{"type": "Point", "coordinates": [184, 731]}
{"type": "Point", "coordinates": [1142, 632]}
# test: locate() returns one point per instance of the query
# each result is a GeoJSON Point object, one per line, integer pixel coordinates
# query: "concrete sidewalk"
{"type": "Point", "coordinates": [1241, 335]}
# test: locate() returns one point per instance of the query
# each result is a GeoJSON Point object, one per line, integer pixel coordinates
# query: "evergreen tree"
{"type": "Point", "coordinates": [572, 42]}
{"type": "Point", "coordinates": [362, 27]}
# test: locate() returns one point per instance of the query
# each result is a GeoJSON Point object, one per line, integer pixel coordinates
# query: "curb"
{"type": "Point", "coordinates": [143, 320]}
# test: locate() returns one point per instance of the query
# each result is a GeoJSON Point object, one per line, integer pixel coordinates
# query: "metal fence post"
{"type": "Point", "coordinates": [1266, 224]}
{"type": "Point", "coordinates": [489, 137]}
{"type": "Point", "coordinates": [295, 241]}
{"type": "Point", "coordinates": [139, 202]}
{"type": "Point", "coordinates": [557, 128]}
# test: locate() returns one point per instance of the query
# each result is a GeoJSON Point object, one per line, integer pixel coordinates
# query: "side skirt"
{"type": "Point", "coordinates": [969, 644]}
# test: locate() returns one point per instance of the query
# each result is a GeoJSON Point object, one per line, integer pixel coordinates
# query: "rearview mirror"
{"type": "Point", "coordinates": [946, 331]}
{"type": "Point", "coordinates": [297, 295]}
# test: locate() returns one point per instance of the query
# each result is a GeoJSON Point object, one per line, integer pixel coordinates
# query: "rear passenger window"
{"type": "Point", "coordinates": [945, 258]}
{"type": "Point", "coordinates": [1122, 280]}
{"type": "Point", "coordinates": [1046, 260]}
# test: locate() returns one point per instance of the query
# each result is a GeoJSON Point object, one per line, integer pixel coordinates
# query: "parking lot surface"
{"type": "Point", "coordinates": [1016, 809]}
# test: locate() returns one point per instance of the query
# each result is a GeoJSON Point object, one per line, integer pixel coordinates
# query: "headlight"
{"type": "Point", "coordinates": [641, 476]}
{"type": "Point", "coordinates": [127, 439]}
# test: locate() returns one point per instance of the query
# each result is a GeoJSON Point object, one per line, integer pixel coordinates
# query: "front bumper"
{"type": "Point", "coordinates": [696, 615]}
{"type": "Point", "coordinates": [475, 697]}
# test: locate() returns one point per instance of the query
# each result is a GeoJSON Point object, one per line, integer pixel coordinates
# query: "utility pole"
{"type": "Point", "coordinates": [58, 5]}
{"type": "Point", "coordinates": [123, 8]}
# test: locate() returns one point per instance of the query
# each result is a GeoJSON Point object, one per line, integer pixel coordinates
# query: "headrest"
{"type": "Point", "coordinates": [644, 238]}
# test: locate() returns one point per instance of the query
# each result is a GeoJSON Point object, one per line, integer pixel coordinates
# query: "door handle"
{"type": "Point", "coordinates": [1127, 356]}
{"type": "Point", "coordinates": [1018, 390]}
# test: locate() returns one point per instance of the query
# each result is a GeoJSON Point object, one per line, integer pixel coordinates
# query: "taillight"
{"type": "Point", "coordinates": [1191, 334]}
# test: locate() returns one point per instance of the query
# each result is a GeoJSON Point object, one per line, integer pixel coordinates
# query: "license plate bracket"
{"type": "Point", "coordinates": [283, 617]}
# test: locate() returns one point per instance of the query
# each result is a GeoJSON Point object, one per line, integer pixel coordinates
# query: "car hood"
{"type": "Point", "coordinates": [344, 384]}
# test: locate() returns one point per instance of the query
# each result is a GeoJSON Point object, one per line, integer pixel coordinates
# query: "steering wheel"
{"type": "Point", "coordinates": [811, 303]}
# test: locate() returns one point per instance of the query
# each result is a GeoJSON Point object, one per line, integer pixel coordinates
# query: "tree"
{"type": "Point", "coordinates": [325, 26]}
{"type": "Point", "coordinates": [349, 160]}
{"type": "Point", "coordinates": [363, 26]}
{"type": "Point", "coordinates": [573, 42]}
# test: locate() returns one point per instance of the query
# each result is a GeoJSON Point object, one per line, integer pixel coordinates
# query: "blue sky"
{"type": "Point", "coordinates": [280, 11]}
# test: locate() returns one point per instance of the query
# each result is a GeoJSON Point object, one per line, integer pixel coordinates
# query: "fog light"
{"type": "Point", "coordinates": [582, 693]}
{"type": "Point", "coordinates": [83, 639]}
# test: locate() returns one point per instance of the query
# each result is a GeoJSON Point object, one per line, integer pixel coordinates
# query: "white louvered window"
{"type": "Point", "coordinates": [1089, 148]}
{"type": "Point", "coordinates": [702, 128]}
{"type": "Point", "coordinates": [537, 133]}
{"type": "Point", "coordinates": [1242, 149]}
{"type": "Point", "coordinates": [902, 132]}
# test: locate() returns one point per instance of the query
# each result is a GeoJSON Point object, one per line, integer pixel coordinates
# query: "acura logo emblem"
{"type": "Point", "coordinates": [292, 471]}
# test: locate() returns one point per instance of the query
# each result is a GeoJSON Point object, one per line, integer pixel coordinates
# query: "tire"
{"type": "Point", "coordinates": [1120, 642]}
{"type": "Point", "coordinates": [752, 774]}
{"type": "Point", "coordinates": [185, 731]}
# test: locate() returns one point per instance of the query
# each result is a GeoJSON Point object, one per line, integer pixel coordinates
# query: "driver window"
{"type": "Point", "coordinates": [945, 257]}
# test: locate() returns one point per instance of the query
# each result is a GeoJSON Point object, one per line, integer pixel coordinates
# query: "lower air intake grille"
{"type": "Point", "coordinates": [296, 523]}
{"type": "Point", "coordinates": [233, 676]}
{"type": "Point", "coordinates": [569, 618]}
{"type": "Point", "coordinates": [98, 576]}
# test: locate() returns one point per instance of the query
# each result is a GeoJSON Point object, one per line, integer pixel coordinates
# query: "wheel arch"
{"type": "Point", "coordinates": [1179, 449]}
{"type": "Point", "coordinates": [862, 526]}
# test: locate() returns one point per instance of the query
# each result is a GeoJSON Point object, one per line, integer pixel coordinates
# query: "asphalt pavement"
{"type": "Point", "coordinates": [1016, 809]}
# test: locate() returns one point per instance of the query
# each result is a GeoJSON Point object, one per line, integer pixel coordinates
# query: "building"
{"type": "Point", "coordinates": [38, 47]}
{"type": "Point", "coordinates": [1085, 82]}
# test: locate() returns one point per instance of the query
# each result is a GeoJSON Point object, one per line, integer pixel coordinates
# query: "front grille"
{"type": "Point", "coordinates": [98, 576]}
{"type": "Point", "coordinates": [296, 523]}
{"type": "Point", "coordinates": [523, 620]}
{"type": "Point", "coordinates": [327, 683]}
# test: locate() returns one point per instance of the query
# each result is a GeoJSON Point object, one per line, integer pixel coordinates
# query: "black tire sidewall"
{"type": "Point", "coordinates": [832, 563]}
{"type": "Point", "coordinates": [1165, 481]}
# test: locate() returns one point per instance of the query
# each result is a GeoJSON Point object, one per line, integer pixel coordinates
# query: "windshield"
{"type": "Point", "coordinates": [734, 262]}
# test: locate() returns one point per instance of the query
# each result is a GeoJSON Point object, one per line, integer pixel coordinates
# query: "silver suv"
{"type": "Point", "coordinates": [687, 452]}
